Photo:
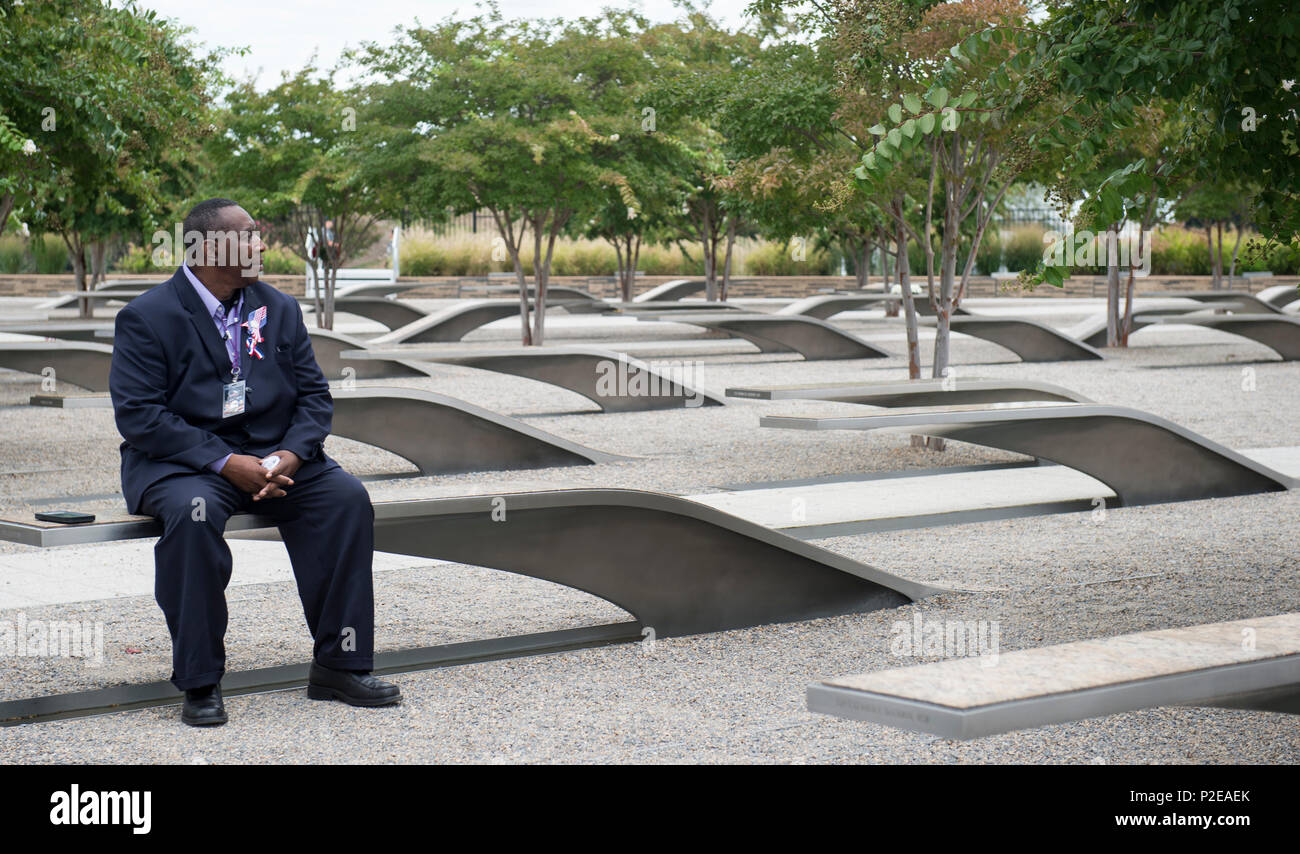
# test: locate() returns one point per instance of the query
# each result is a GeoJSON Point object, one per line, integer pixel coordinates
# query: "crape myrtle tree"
{"type": "Point", "coordinates": [292, 157]}
{"type": "Point", "coordinates": [974, 156]}
{"type": "Point", "coordinates": [101, 112]}
{"type": "Point", "coordinates": [1212, 206]}
{"type": "Point", "coordinates": [521, 118]}
{"type": "Point", "coordinates": [1228, 67]}
{"type": "Point", "coordinates": [706, 77]}
{"type": "Point", "coordinates": [642, 187]}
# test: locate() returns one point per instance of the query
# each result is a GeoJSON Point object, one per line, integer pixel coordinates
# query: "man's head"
{"type": "Point", "coordinates": [222, 245]}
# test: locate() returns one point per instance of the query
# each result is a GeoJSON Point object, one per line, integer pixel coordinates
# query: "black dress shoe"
{"type": "Point", "coordinates": [357, 689]}
{"type": "Point", "coordinates": [203, 707]}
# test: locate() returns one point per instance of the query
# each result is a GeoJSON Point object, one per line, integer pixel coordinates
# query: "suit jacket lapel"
{"type": "Point", "coordinates": [204, 326]}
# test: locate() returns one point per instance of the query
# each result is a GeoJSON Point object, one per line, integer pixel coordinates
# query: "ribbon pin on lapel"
{"type": "Point", "coordinates": [254, 326]}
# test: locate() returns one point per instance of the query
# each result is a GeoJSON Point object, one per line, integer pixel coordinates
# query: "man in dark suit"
{"type": "Point", "coordinates": [223, 407]}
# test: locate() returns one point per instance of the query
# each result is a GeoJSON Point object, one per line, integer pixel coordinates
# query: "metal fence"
{"type": "Point", "coordinates": [1048, 218]}
{"type": "Point", "coordinates": [478, 222]}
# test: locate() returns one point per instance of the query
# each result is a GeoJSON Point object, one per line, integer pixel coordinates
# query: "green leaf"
{"type": "Point", "coordinates": [895, 137]}
{"type": "Point", "coordinates": [937, 96]}
{"type": "Point", "coordinates": [1054, 276]}
{"type": "Point", "coordinates": [912, 103]}
{"type": "Point", "coordinates": [878, 130]}
{"type": "Point", "coordinates": [895, 113]}
{"type": "Point", "coordinates": [927, 123]}
{"type": "Point", "coordinates": [909, 128]}
{"type": "Point", "coordinates": [951, 119]}
{"type": "Point", "coordinates": [967, 99]}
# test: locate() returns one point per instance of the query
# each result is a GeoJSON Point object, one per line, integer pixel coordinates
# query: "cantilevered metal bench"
{"type": "Point", "coordinates": [1093, 330]}
{"type": "Point", "coordinates": [65, 330]}
{"type": "Point", "coordinates": [1030, 340]}
{"type": "Point", "coordinates": [72, 401]}
{"type": "Point", "coordinates": [95, 296]}
{"type": "Point", "coordinates": [1253, 304]}
{"type": "Point", "coordinates": [1278, 332]}
{"type": "Point", "coordinates": [905, 393]}
{"type": "Point", "coordinates": [373, 288]}
{"type": "Point", "coordinates": [811, 338]}
{"type": "Point", "coordinates": [612, 380]}
{"type": "Point", "coordinates": [649, 306]}
{"type": "Point", "coordinates": [553, 292]}
{"type": "Point", "coordinates": [1279, 296]}
{"type": "Point", "coordinates": [443, 435]}
{"type": "Point", "coordinates": [438, 434]}
{"type": "Point", "coordinates": [1207, 665]}
{"type": "Point", "coordinates": [454, 322]}
{"type": "Point", "coordinates": [828, 305]}
{"type": "Point", "coordinates": [329, 346]}
{"type": "Point", "coordinates": [390, 312]}
{"type": "Point", "coordinates": [674, 290]}
{"type": "Point", "coordinates": [80, 363]}
{"type": "Point", "coordinates": [921, 301]}
{"type": "Point", "coordinates": [1142, 457]}
{"type": "Point", "coordinates": [677, 566]}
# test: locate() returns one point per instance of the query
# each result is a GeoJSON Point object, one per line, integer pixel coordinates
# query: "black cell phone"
{"type": "Point", "coordinates": [66, 517]}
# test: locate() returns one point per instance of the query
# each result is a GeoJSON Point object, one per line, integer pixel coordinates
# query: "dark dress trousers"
{"type": "Point", "coordinates": [169, 367]}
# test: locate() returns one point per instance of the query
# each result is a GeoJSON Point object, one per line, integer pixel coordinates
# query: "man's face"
{"type": "Point", "coordinates": [235, 248]}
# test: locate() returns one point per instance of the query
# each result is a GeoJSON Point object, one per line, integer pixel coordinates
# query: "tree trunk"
{"type": "Point", "coordinates": [726, 266]}
{"type": "Point", "coordinates": [98, 251]}
{"type": "Point", "coordinates": [1236, 247]}
{"type": "Point", "coordinates": [891, 307]}
{"type": "Point", "coordinates": [710, 259]}
{"type": "Point", "coordinates": [77, 252]}
{"type": "Point", "coordinates": [1112, 287]}
{"type": "Point", "coordinates": [634, 246]}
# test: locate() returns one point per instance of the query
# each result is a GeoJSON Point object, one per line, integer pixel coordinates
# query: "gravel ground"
{"type": "Point", "coordinates": [733, 696]}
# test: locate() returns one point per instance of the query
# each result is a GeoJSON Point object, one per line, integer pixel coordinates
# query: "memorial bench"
{"type": "Point", "coordinates": [454, 322]}
{"type": "Point", "coordinates": [1278, 332]}
{"type": "Point", "coordinates": [392, 313]}
{"type": "Point", "coordinates": [674, 290]}
{"type": "Point", "coordinates": [1207, 665]}
{"type": "Point", "coordinates": [903, 393]}
{"type": "Point", "coordinates": [1030, 340]}
{"type": "Point", "coordinates": [79, 363]}
{"type": "Point", "coordinates": [564, 292]}
{"type": "Point", "coordinates": [612, 380]}
{"type": "Point", "coordinates": [1219, 299]}
{"type": "Point", "coordinates": [809, 337]}
{"type": "Point", "coordinates": [826, 306]}
{"type": "Point", "coordinates": [677, 566]}
{"type": "Point", "coordinates": [64, 330]}
{"type": "Point", "coordinates": [1142, 457]}
{"type": "Point", "coordinates": [436, 433]}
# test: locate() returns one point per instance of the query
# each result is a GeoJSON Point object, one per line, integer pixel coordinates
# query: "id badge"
{"type": "Point", "coordinates": [232, 399]}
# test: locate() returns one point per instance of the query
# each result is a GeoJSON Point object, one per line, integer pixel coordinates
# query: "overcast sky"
{"type": "Point", "coordinates": [282, 34]}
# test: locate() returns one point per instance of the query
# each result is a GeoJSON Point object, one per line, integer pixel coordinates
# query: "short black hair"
{"type": "Point", "coordinates": [203, 218]}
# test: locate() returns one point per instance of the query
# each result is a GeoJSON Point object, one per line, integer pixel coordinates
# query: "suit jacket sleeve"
{"type": "Point", "coordinates": [315, 410]}
{"type": "Point", "coordinates": [137, 382]}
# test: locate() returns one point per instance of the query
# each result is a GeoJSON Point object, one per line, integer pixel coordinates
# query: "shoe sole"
{"type": "Point", "coordinates": [204, 721]}
{"type": "Point", "coordinates": [320, 692]}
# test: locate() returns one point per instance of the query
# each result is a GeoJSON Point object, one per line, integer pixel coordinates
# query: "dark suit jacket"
{"type": "Point", "coordinates": [169, 366]}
